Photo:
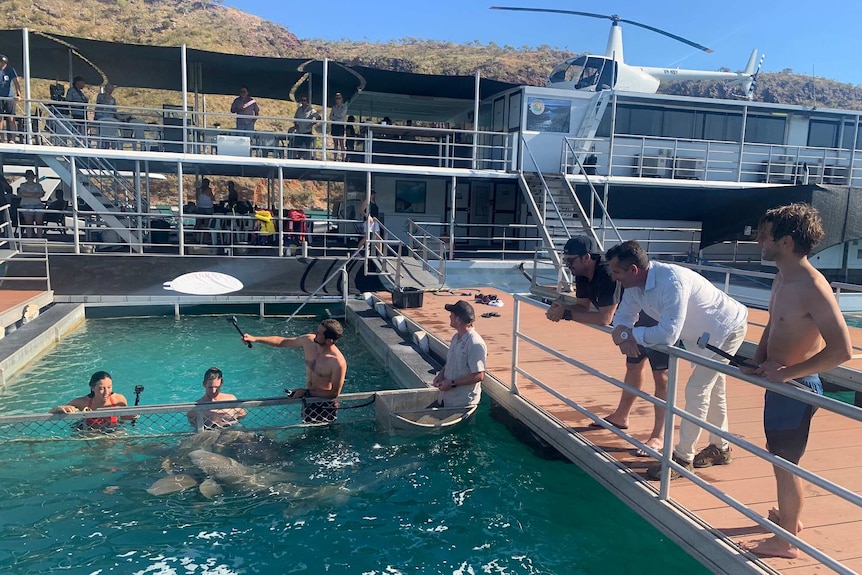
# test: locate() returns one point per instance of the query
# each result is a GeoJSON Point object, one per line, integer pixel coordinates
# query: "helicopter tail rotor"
{"type": "Point", "coordinates": [748, 77]}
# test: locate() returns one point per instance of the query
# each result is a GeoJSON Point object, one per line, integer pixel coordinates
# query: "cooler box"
{"type": "Point", "coordinates": [233, 145]}
{"type": "Point", "coordinates": [406, 298]}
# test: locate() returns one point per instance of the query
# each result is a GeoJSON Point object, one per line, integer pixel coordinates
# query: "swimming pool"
{"type": "Point", "coordinates": [475, 501]}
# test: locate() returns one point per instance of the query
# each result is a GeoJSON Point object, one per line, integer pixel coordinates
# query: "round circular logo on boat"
{"type": "Point", "coordinates": [537, 107]}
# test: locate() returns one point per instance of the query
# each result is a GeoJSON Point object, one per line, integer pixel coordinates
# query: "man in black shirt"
{"type": "Point", "coordinates": [595, 288]}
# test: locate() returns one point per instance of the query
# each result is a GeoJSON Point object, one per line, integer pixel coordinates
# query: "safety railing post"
{"type": "Point", "coordinates": [669, 412]}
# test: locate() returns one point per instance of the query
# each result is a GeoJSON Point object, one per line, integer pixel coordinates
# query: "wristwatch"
{"type": "Point", "coordinates": [624, 335]}
{"type": "Point", "coordinates": [452, 383]}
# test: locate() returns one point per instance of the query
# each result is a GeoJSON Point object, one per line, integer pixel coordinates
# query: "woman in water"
{"type": "Point", "coordinates": [101, 396]}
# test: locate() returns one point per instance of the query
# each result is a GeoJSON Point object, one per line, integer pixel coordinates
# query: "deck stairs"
{"type": "Point", "coordinates": [97, 182]}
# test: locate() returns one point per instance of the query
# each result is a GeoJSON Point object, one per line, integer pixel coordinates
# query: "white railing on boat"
{"type": "Point", "coordinates": [674, 413]}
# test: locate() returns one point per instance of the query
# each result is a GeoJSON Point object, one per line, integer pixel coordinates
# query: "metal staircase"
{"type": "Point", "coordinates": [575, 154]}
{"type": "Point", "coordinates": [97, 182]}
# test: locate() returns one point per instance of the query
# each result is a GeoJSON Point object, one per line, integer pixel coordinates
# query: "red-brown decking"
{"type": "Point", "coordinates": [833, 451]}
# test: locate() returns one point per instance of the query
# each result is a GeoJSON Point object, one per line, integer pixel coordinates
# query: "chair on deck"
{"type": "Point", "coordinates": [56, 214]}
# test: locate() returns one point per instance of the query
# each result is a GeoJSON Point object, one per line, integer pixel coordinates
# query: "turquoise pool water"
{"type": "Point", "coordinates": [475, 501]}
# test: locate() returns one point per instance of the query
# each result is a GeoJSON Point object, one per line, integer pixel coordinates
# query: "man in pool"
{"type": "Point", "coordinates": [325, 368]}
{"type": "Point", "coordinates": [101, 396]}
{"type": "Point", "coordinates": [806, 334]}
{"type": "Point", "coordinates": [460, 380]}
{"type": "Point", "coordinates": [216, 418]}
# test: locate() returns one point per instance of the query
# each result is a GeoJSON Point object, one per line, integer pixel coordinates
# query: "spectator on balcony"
{"type": "Point", "coordinates": [31, 193]}
{"type": "Point", "coordinates": [106, 115]}
{"type": "Point", "coordinates": [10, 91]}
{"type": "Point", "coordinates": [246, 109]}
{"type": "Point", "coordinates": [76, 95]}
{"type": "Point", "coordinates": [338, 115]}
{"type": "Point", "coordinates": [205, 205]}
{"type": "Point", "coordinates": [304, 138]}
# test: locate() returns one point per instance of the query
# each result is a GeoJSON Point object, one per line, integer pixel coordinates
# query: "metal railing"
{"type": "Point", "coordinates": [674, 412]}
{"type": "Point", "coordinates": [690, 159]}
{"type": "Point", "coordinates": [170, 129]}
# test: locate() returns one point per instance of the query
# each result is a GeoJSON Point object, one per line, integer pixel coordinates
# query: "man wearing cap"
{"type": "Point", "coordinates": [460, 380]}
{"type": "Point", "coordinates": [9, 88]}
{"type": "Point", "coordinates": [594, 285]}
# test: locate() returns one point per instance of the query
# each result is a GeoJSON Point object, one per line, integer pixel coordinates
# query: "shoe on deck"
{"type": "Point", "coordinates": [654, 473]}
{"type": "Point", "coordinates": [712, 455]}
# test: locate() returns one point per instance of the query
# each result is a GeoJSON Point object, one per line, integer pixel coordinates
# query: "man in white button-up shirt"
{"type": "Point", "coordinates": [686, 306]}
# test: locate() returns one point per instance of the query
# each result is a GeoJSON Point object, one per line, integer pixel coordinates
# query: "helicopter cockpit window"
{"type": "Point", "coordinates": [590, 73]}
{"type": "Point", "coordinates": [568, 71]}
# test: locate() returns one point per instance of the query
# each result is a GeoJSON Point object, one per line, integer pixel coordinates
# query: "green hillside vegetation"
{"type": "Point", "coordinates": [208, 25]}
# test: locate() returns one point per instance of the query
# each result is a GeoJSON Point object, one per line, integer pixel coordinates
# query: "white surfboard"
{"type": "Point", "coordinates": [204, 283]}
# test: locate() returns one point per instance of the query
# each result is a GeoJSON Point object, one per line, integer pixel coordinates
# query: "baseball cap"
{"type": "Point", "coordinates": [4, 59]}
{"type": "Point", "coordinates": [581, 245]}
{"type": "Point", "coordinates": [463, 310]}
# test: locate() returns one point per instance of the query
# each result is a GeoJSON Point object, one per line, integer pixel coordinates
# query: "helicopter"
{"type": "Point", "coordinates": [596, 73]}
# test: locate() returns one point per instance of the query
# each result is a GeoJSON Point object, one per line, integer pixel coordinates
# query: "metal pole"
{"type": "Point", "coordinates": [74, 183]}
{"type": "Point", "coordinates": [280, 211]}
{"type": "Point", "coordinates": [667, 450]}
{"type": "Point", "coordinates": [324, 104]}
{"type": "Point", "coordinates": [516, 326]}
{"type": "Point", "coordinates": [27, 108]}
{"type": "Point", "coordinates": [475, 120]}
{"type": "Point", "coordinates": [138, 204]}
{"type": "Point", "coordinates": [452, 219]}
{"type": "Point", "coordinates": [185, 84]}
{"type": "Point", "coordinates": [180, 227]}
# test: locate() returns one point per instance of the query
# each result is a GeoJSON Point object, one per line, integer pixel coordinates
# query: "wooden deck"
{"type": "Point", "coordinates": [831, 524]}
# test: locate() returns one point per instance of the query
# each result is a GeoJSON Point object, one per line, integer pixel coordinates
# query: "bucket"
{"type": "Point", "coordinates": [408, 297]}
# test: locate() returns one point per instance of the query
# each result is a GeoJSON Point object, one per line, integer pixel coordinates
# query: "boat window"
{"type": "Point", "coordinates": [722, 127]}
{"type": "Point", "coordinates": [851, 133]}
{"type": "Point", "coordinates": [673, 123]}
{"type": "Point", "coordinates": [765, 129]}
{"type": "Point", "coordinates": [823, 134]}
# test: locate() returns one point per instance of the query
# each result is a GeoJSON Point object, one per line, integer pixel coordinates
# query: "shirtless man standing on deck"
{"type": "Point", "coordinates": [325, 368]}
{"type": "Point", "coordinates": [806, 334]}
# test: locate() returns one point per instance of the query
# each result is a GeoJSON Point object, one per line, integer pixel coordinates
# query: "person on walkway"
{"type": "Point", "coordinates": [204, 205]}
{"type": "Point", "coordinates": [31, 208]}
{"type": "Point", "coordinates": [10, 91]}
{"type": "Point", "coordinates": [806, 334]}
{"type": "Point", "coordinates": [460, 380]}
{"type": "Point", "coordinates": [216, 418]}
{"type": "Point", "coordinates": [595, 287]}
{"type": "Point", "coordinates": [108, 119]}
{"type": "Point", "coordinates": [246, 109]}
{"type": "Point", "coordinates": [369, 212]}
{"type": "Point", "coordinates": [325, 368]}
{"type": "Point", "coordinates": [75, 94]}
{"type": "Point", "coordinates": [101, 395]}
{"type": "Point", "coordinates": [686, 306]}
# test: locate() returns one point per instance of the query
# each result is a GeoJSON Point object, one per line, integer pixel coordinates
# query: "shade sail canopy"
{"type": "Point", "coordinates": [58, 57]}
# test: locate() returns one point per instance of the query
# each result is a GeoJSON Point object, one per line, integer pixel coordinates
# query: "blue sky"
{"type": "Point", "coordinates": [808, 37]}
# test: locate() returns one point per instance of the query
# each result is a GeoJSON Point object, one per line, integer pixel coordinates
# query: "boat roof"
{"type": "Point", "coordinates": [419, 96]}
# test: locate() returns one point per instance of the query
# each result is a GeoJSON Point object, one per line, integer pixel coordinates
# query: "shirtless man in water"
{"type": "Point", "coordinates": [216, 418]}
{"type": "Point", "coordinates": [101, 396]}
{"type": "Point", "coordinates": [806, 334]}
{"type": "Point", "coordinates": [325, 367]}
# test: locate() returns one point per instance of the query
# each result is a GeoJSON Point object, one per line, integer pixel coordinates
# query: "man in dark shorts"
{"type": "Point", "coordinates": [10, 92]}
{"type": "Point", "coordinates": [325, 368]}
{"type": "Point", "coordinates": [809, 336]}
{"type": "Point", "coordinates": [594, 286]}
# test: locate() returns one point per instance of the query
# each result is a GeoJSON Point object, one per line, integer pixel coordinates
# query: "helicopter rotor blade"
{"type": "Point", "coordinates": [554, 11]}
{"type": "Point", "coordinates": [613, 18]}
{"type": "Point", "coordinates": [669, 35]}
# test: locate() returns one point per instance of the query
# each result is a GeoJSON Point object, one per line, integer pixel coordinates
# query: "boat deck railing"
{"type": "Point", "coordinates": [673, 413]}
{"type": "Point", "coordinates": [637, 156]}
{"type": "Point", "coordinates": [171, 129]}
